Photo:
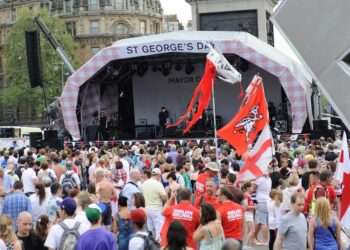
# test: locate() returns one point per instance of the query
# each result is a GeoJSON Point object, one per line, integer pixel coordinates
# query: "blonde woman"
{"type": "Point", "coordinates": [324, 228]}
{"type": "Point", "coordinates": [7, 235]}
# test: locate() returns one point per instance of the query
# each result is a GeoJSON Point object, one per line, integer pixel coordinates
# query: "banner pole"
{"type": "Point", "coordinates": [214, 123]}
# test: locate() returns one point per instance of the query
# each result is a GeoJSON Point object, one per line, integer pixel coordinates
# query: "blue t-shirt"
{"type": "Point", "coordinates": [96, 239]}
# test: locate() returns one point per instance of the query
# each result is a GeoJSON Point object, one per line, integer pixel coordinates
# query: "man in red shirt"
{"type": "Point", "coordinates": [183, 212]}
{"type": "Point", "coordinates": [211, 171]}
{"type": "Point", "coordinates": [231, 215]}
{"type": "Point", "coordinates": [209, 196]}
{"type": "Point", "coordinates": [322, 189]}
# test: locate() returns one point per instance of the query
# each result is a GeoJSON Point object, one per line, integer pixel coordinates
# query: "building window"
{"type": "Point", "coordinates": [13, 15]}
{"type": "Point", "coordinates": [94, 27]}
{"type": "Point", "coordinates": [70, 26]}
{"type": "Point", "coordinates": [120, 29]}
{"type": "Point", "coordinates": [269, 29]}
{"type": "Point", "coordinates": [143, 27]}
{"type": "Point", "coordinates": [94, 50]}
{"type": "Point", "coordinates": [119, 4]}
{"type": "Point", "coordinates": [68, 6]}
{"type": "Point", "coordinates": [93, 4]}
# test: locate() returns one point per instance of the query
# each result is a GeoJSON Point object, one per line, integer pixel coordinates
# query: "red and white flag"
{"type": "Point", "coordinates": [251, 118]}
{"type": "Point", "coordinates": [259, 157]}
{"type": "Point", "coordinates": [343, 161]}
{"type": "Point", "coordinates": [343, 176]}
{"type": "Point", "coordinates": [216, 64]}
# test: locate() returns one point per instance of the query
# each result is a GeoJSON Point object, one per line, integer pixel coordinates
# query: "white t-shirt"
{"type": "Point", "coordinates": [2, 245]}
{"type": "Point", "coordinates": [126, 167]}
{"type": "Point", "coordinates": [81, 217]}
{"type": "Point", "coordinates": [263, 188]}
{"type": "Point", "coordinates": [27, 178]}
{"type": "Point", "coordinates": [53, 239]}
{"type": "Point", "coordinates": [37, 208]}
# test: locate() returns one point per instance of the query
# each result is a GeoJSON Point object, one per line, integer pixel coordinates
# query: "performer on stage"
{"type": "Point", "coordinates": [163, 118]}
{"type": "Point", "coordinates": [103, 126]}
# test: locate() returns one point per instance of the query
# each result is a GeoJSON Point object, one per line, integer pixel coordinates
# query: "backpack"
{"type": "Point", "coordinates": [150, 242]}
{"type": "Point", "coordinates": [319, 191]}
{"type": "Point", "coordinates": [68, 183]}
{"type": "Point", "coordinates": [69, 237]}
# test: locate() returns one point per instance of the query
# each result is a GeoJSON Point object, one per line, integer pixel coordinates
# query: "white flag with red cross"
{"type": "Point", "coordinates": [257, 160]}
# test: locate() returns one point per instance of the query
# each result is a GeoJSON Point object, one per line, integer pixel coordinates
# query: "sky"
{"type": "Point", "coordinates": [178, 7]}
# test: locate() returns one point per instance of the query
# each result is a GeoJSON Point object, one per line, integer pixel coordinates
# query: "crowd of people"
{"type": "Point", "coordinates": [147, 196]}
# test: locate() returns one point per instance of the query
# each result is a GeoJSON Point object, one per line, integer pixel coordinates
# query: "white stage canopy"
{"type": "Point", "coordinates": [294, 82]}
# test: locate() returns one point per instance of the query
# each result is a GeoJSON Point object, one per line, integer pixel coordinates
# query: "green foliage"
{"type": "Point", "coordinates": [18, 91]}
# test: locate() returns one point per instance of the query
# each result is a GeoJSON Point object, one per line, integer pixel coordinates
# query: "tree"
{"type": "Point", "coordinates": [18, 92]}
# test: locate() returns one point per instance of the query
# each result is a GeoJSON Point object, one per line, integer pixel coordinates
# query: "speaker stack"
{"type": "Point", "coordinates": [52, 140]}
{"type": "Point", "coordinates": [36, 140]}
{"type": "Point", "coordinates": [33, 58]}
{"type": "Point", "coordinates": [321, 129]}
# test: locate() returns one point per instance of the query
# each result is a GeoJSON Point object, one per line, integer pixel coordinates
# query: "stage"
{"type": "Point", "coordinates": [127, 83]}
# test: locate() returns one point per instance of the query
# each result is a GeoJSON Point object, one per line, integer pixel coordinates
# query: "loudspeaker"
{"type": "Point", "coordinates": [320, 125]}
{"type": "Point", "coordinates": [33, 58]}
{"type": "Point", "coordinates": [50, 135]}
{"type": "Point", "coordinates": [36, 140]}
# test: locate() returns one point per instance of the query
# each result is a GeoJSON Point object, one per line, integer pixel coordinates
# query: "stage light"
{"type": "Point", "coordinates": [189, 68]}
{"type": "Point", "coordinates": [166, 68]}
{"type": "Point", "coordinates": [142, 68]}
{"type": "Point", "coordinates": [178, 66]}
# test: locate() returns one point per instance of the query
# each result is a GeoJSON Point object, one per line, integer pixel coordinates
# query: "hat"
{"type": "Point", "coordinates": [93, 212]}
{"type": "Point", "coordinates": [156, 171]}
{"type": "Point", "coordinates": [213, 166]}
{"type": "Point", "coordinates": [68, 205]}
{"type": "Point", "coordinates": [138, 215]}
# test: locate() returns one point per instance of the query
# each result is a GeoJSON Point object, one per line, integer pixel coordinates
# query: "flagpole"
{"type": "Point", "coordinates": [214, 123]}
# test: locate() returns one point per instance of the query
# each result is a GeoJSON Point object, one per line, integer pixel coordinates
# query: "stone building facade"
{"type": "Point", "coordinates": [94, 24]}
{"type": "Point", "coordinates": [252, 16]}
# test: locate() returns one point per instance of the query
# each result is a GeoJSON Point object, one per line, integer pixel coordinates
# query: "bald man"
{"type": "Point", "coordinates": [25, 233]}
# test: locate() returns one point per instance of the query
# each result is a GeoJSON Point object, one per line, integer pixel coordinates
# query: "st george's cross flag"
{"type": "Point", "coordinates": [342, 175]}
{"type": "Point", "coordinates": [216, 64]}
{"type": "Point", "coordinates": [251, 118]}
{"type": "Point", "coordinates": [259, 157]}
{"type": "Point", "coordinates": [343, 160]}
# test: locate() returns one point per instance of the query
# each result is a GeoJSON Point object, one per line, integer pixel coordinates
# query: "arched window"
{"type": "Point", "coordinates": [120, 29]}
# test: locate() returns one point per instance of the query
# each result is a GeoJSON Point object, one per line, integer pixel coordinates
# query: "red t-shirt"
{"type": "Point", "coordinates": [188, 215]}
{"type": "Point", "coordinates": [209, 199]}
{"type": "Point", "coordinates": [200, 184]}
{"type": "Point", "coordinates": [231, 219]}
{"type": "Point", "coordinates": [330, 195]}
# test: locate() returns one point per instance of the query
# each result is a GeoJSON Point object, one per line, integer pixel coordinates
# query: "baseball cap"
{"type": "Point", "coordinates": [156, 171]}
{"type": "Point", "coordinates": [138, 215]}
{"type": "Point", "coordinates": [69, 205]}
{"type": "Point", "coordinates": [93, 212]}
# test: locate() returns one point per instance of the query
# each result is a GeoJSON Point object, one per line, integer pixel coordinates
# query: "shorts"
{"type": "Point", "coordinates": [249, 216]}
{"type": "Point", "coordinates": [107, 215]}
{"type": "Point", "coordinates": [261, 214]}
